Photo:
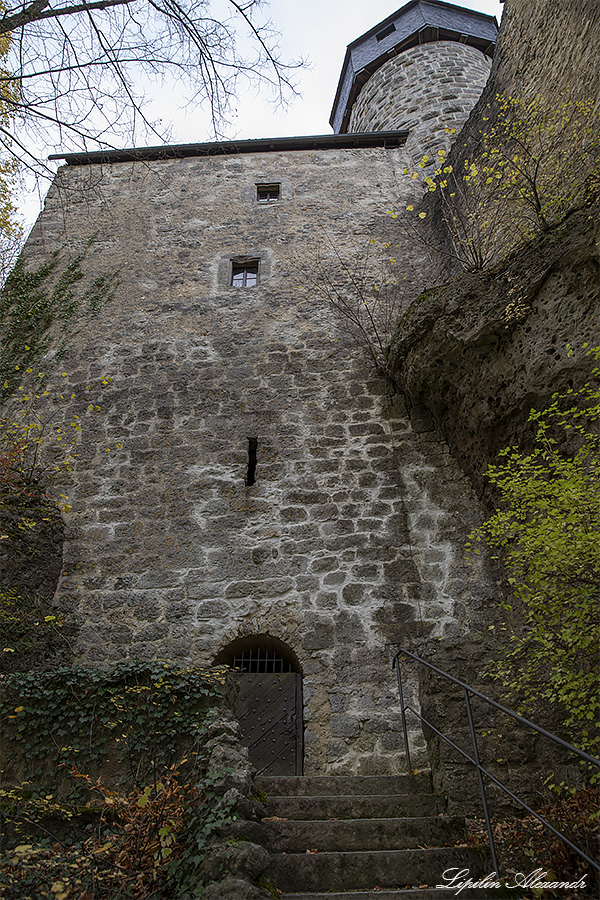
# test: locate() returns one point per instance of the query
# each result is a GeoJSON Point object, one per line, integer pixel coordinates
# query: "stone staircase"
{"type": "Point", "coordinates": [351, 838]}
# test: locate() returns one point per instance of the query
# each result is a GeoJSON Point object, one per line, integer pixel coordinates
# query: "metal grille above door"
{"type": "Point", "coordinates": [260, 659]}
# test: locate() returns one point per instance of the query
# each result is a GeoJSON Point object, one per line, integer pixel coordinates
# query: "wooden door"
{"type": "Point", "coordinates": [270, 716]}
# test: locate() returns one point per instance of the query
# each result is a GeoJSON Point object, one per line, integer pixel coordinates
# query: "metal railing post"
{"type": "Point", "coordinates": [402, 709]}
{"type": "Point", "coordinates": [486, 813]}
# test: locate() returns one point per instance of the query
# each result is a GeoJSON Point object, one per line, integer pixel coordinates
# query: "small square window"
{"type": "Point", "coordinates": [267, 193]}
{"type": "Point", "coordinates": [244, 274]}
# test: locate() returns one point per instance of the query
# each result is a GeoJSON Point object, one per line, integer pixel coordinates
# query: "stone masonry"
{"type": "Point", "coordinates": [350, 542]}
{"type": "Point", "coordinates": [427, 89]}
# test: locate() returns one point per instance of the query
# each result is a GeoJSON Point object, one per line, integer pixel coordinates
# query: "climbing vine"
{"type": "Point", "coordinates": [136, 719]}
{"type": "Point", "coordinates": [41, 310]}
{"type": "Point", "coordinates": [34, 634]}
{"type": "Point", "coordinates": [112, 796]}
{"type": "Point", "coordinates": [40, 423]}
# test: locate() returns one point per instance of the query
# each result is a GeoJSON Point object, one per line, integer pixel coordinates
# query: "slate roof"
{"type": "Point", "coordinates": [226, 148]}
{"type": "Point", "coordinates": [418, 22]}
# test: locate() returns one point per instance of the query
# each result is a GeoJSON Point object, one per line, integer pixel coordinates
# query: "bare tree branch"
{"type": "Point", "coordinates": [37, 11]}
{"type": "Point", "coordinates": [73, 72]}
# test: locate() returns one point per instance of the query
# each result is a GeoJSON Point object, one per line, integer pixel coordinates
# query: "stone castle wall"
{"type": "Point", "coordinates": [350, 543]}
{"type": "Point", "coordinates": [547, 47]}
{"type": "Point", "coordinates": [426, 89]}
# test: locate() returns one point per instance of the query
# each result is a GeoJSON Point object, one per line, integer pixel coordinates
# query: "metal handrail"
{"type": "Point", "coordinates": [474, 760]}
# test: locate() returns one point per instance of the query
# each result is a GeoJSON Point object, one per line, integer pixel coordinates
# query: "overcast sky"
{"type": "Point", "coordinates": [317, 30]}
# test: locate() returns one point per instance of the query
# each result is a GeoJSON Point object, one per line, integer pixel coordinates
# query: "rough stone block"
{"type": "Point", "coordinates": [319, 634]}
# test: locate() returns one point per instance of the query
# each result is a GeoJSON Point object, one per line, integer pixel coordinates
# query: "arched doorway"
{"type": "Point", "coordinates": [270, 703]}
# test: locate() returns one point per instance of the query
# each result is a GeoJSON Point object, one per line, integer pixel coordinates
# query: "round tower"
{"type": "Point", "coordinates": [422, 68]}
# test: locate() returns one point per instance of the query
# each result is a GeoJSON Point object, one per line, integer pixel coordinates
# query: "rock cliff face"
{"type": "Point", "coordinates": [482, 350]}
{"type": "Point", "coordinates": [475, 355]}
{"type": "Point", "coordinates": [546, 47]}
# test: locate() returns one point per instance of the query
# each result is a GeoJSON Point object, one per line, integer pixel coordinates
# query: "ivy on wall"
{"type": "Point", "coordinates": [41, 310]}
{"type": "Point", "coordinates": [108, 791]}
{"type": "Point", "coordinates": [129, 723]}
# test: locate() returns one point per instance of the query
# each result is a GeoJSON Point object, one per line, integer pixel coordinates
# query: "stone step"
{"type": "Point", "coordinates": [405, 894]}
{"type": "Point", "coordinates": [366, 870]}
{"type": "Point", "coordinates": [331, 785]}
{"type": "Point", "coordinates": [296, 836]}
{"type": "Point", "coordinates": [371, 806]}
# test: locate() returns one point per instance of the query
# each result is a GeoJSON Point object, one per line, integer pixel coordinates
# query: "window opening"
{"type": "Point", "coordinates": [385, 31]}
{"type": "Point", "coordinates": [251, 475]}
{"type": "Point", "coordinates": [267, 193]}
{"type": "Point", "coordinates": [261, 661]}
{"type": "Point", "coordinates": [244, 274]}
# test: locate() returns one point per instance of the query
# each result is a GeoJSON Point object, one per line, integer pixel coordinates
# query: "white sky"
{"type": "Point", "coordinates": [317, 30]}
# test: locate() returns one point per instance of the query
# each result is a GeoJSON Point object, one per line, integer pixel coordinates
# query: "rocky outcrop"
{"type": "Point", "coordinates": [547, 52]}
{"type": "Point", "coordinates": [546, 47]}
{"type": "Point", "coordinates": [482, 350]}
{"type": "Point", "coordinates": [233, 863]}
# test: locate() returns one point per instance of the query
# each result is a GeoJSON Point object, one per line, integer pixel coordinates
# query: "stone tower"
{"type": "Point", "coordinates": [423, 68]}
{"type": "Point", "coordinates": [271, 504]}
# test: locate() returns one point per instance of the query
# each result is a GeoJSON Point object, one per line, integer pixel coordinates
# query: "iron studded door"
{"type": "Point", "coordinates": [270, 716]}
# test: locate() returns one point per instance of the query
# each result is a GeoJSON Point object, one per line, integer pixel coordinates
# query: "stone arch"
{"type": "Point", "coordinates": [259, 653]}
{"type": "Point", "coordinates": [269, 707]}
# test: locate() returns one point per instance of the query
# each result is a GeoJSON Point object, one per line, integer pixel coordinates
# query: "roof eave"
{"type": "Point", "coordinates": [227, 148]}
